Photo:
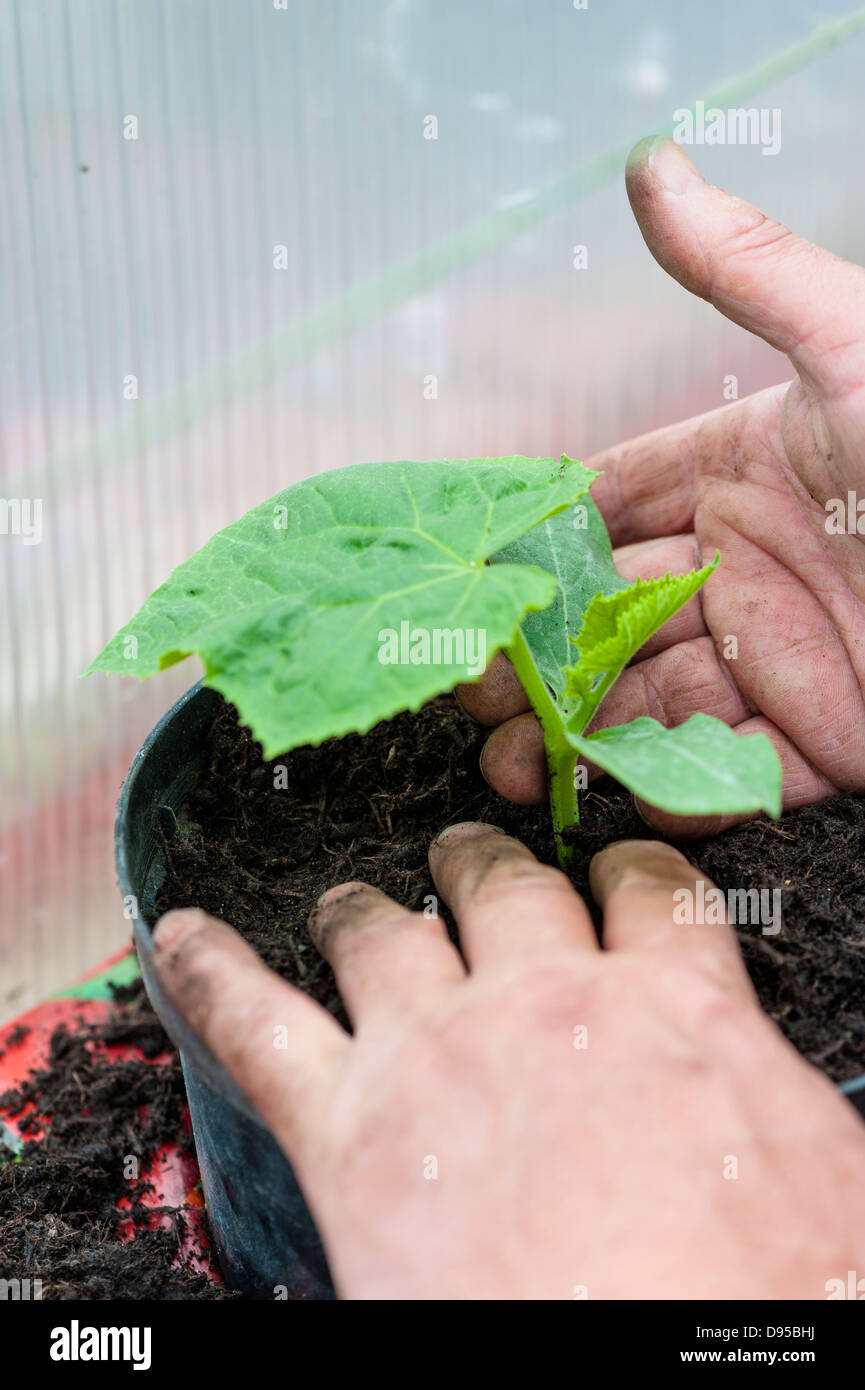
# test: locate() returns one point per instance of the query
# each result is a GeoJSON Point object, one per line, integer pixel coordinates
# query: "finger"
{"type": "Point", "coordinates": [803, 785]}
{"type": "Point", "coordinates": [655, 902]}
{"type": "Point", "coordinates": [497, 696]}
{"type": "Point", "coordinates": [514, 762]}
{"type": "Point", "coordinates": [383, 956]}
{"type": "Point", "coordinates": [280, 1047]}
{"type": "Point", "coordinates": [507, 905]}
{"type": "Point", "coordinates": [652, 560]}
{"type": "Point", "coordinates": [798, 633]}
{"type": "Point", "coordinates": [647, 485]}
{"type": "Point", "coordinates": [686, 679]}
{"type": "Point", "coordinates": [754, 270]}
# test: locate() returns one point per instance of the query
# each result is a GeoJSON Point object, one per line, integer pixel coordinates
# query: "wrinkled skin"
{"type": "Point", "coordinates": [751, 480]}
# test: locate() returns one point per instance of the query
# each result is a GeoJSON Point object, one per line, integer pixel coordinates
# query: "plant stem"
{"type": "Point", "coordinates": [561, 755]}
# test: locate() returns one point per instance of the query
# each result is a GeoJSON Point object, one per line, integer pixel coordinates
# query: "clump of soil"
{"type": "Point", "coordinates": [259, 842]}
{"type": "Point", "coordinates": [58, 1197]}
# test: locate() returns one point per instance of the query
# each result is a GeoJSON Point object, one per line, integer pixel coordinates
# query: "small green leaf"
{"type": "Point", "coordinates": [574, 546]}
{"type": "Point", "coordinates": [287, 606]}
{"type": "Point", "coordinates": [614, 628]}
{"type": "Point", "coordinates": [700, 768]}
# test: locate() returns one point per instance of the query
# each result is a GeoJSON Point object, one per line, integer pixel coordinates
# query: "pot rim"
{"type": "Point", "coordinates": [191, 1047]}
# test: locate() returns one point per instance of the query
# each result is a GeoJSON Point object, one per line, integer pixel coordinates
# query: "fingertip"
{"type": "Point", "coordinates": [513, 761]}
{"type": "Point", "coordinates": [226, 995]}
{"type": "Point", "coordinates": [641, 153]}
{"type": "Point", "coordinates": [176, 927]}
{"type": "Point", "coordinates": [686, 827]}
{"type": "Point", "coordinates": [615, 862]}
{"type": "Point", "coordinates": [346, 904]}
{"type": "Point", "coordinates": [455, 835]}
{"type": "Point", "coordinates": [658, 162]}
{"type": "Point", "coordinates": [331, 896]}
{"type": "Point", "coordinates": [194, 954]}
{"type": "Point", "coordinates": [497, 696]}
{"type": "Point", "coordinates": [464, 830]}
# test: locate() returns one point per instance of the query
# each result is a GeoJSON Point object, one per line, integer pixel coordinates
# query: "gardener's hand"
{"type": "Point", "coordinates": [551, 1120]}
{"type": "Point", "coordinates": [751, 480]}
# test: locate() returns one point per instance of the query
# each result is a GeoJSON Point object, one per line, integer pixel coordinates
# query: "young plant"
{"type": "Point", "coordinates": [367, 590]}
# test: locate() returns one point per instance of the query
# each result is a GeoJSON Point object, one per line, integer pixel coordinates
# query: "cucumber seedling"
{"type": "Point", "coordinates": [367, 590]}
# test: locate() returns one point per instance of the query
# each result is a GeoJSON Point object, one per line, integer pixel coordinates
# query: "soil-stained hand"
{"type": "Point", "coordinates": [537, 1117]}
{"type": "Point", "coordinates": [775, 642]}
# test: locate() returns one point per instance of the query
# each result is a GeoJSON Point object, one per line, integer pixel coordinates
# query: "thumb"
{"type": "Point", "coordinates": [795, 296]}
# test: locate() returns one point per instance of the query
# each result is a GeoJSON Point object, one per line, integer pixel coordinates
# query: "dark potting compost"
{"type": "Point", "coordinates": [81, 1116]}
{"type": "Point", "coordinates": [257, 843]}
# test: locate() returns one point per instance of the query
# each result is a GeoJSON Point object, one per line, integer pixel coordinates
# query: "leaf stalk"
{"type": "Point", "coordinates": [561, 754]}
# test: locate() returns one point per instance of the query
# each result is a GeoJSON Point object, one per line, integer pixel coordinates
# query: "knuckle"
{"type": "Point", "coordinates": [706, 995]}
{"type": "Point", "coordinates": [687, 677]}
{"type": "Point", "coordinates": [755, 235]}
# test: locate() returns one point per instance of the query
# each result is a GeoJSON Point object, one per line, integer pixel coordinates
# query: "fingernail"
{"type": "Point", "coordinates": [672, 167]}
{"type": "Point", "coordinates": [465, 830]}
{"type": "Point", "coordinates": [625, 858]}
{"type": "Point", "coordinates": [340, 890]}
{"type": "Point", "coordinates": [340, 906]}
{"type": "Point", "coordinates": [171, 928]}
{"type": "Point", "coordinates": [608, 867]}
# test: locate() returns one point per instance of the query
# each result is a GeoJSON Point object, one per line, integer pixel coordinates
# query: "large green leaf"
{"type": "Point", "coordinates": [700, 768]}
{"type": "Point", "coordinates": [574, 546]}
{"type": "Point", "coordinates": [287, 606]}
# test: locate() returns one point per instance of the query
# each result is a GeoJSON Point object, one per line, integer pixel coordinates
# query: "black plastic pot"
{"type": "Point", "coordinates": [265, 1236]}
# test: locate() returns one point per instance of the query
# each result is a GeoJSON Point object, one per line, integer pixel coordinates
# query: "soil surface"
{"type": "Point", "coordinates": [259, 842]}
{"type": "Point", "coordinates": [83, 1114]}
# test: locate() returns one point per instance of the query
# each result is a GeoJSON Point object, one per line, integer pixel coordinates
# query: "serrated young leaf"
{"type": "Point", "coordinates": [574, 546]}
{"type": "Point", "coordinates": [286, 606]}
{"type": "Point", "coordinates": [614, 628]}
{"type": "Point", "coordinates": [700, 768]}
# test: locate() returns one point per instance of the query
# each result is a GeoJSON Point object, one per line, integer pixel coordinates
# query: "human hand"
{"type": "Point", "coordinates": [547, 1120]}
{"type": "Point", "coordinates": [751, 480]}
